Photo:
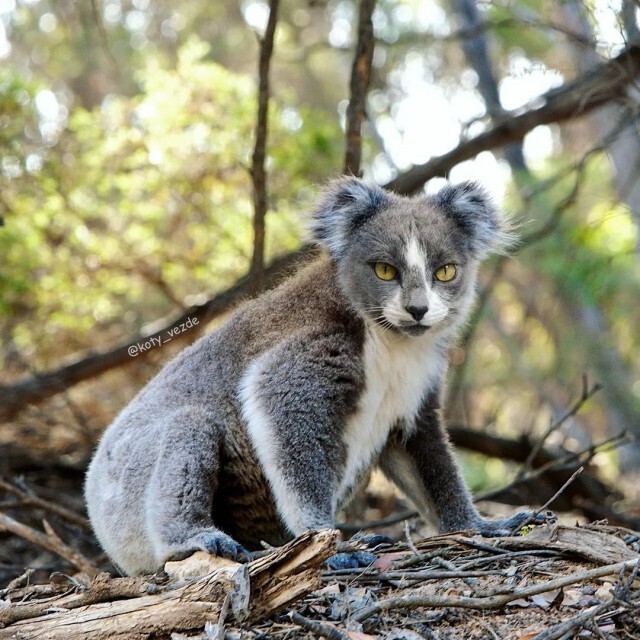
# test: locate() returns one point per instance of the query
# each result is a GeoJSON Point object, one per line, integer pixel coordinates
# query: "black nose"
{"type": "Point", "coordinates": [417, 312]}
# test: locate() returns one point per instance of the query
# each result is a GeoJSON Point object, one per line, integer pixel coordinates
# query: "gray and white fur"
{"type": "Point", "coordinates": [265, 427]}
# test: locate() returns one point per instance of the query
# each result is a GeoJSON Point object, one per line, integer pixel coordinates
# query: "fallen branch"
{"type": "Point", "coordinates": [256, 590]}
{"type": "Point", "coordinates": [587, 393]}
{"type": "Point", "coordinates": [103, 588]}
{"type": "Point", "coordinates": [320, 629]}
{"type": "Point", "coordinates": [488, 602]}
{"type": "Point", "coordinates": [573, 624]}
{"type": "Point", "coordinates": [48, 540]}
{"type": "Point", "coordinates": [622, 595]}
{"type": "Point", "coordinates": [552, 499]}
{"type": "Point", "coordinates": [595, 546]}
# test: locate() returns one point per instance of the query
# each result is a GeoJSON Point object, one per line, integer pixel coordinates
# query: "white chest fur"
{"type": "Point", "coordinates": [399, 372]}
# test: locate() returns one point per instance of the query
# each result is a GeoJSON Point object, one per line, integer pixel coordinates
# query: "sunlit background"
{"type": "Point", "coordinates": [126, 132]}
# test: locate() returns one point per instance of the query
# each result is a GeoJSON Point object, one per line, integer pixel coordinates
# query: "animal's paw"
{"type": "Point", "coordinates": [372, 540]}
{"type": "Point", "coordinates": [214, 542]}
{"type": "Point", "coordinates": [509, 526]}
{"type": "Point", "coordinates": [351, 560]}
{"type": "Point", "coordinates": [220, 544]}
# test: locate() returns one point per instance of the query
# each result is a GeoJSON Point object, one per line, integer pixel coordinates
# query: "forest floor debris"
{"type": "Point", "coordinates": [553, 582]}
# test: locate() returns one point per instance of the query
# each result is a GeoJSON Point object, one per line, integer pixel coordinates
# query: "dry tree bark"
{"type": "Point", "coordinates": [589, 91]}
{"type": "Point", "coordinates": [360, 76]}
{"type": "Point", "coordinates": [256, 590]}
{"type": "Point", "coordinates": [258, 171]}
{"type": "Point", "coordinates": [596, 546]}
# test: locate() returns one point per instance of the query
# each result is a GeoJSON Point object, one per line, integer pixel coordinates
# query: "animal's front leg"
{"type": "Point", "coordinates": [295, 400]}
{"type": "Point", "coordinates": [438, 480]}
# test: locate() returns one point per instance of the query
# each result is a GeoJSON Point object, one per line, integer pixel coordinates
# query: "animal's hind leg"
{"type": "Point", "coordinates": [180, 495]}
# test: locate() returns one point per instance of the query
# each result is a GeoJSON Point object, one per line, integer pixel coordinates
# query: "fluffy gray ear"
{"type": "Point", "coordinates": [475, 213]}
{"type": "Point", "coordinates": [343, 206]}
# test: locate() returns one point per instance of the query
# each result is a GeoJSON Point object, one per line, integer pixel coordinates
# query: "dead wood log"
{"type": "Point", "coordinates": [103, 588]}
{"type": "Point", "coordinates": [596, 546]}
{"type": "Point", "coordinates": [256, 590]}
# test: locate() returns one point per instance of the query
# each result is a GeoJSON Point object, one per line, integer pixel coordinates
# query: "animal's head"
{"type": "Point", "coordinates": [409, 264]}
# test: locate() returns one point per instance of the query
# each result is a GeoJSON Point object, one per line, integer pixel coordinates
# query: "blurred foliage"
{"type": "Point", "coordinates": [146, 200]}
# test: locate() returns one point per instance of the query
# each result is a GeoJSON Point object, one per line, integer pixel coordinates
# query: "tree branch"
{"type": "Point", "coordinates": [587, 92]}
{"type": "Point", "coordinates": [360, 76]}
{"type": "Point", "coordinates": [34, 389]}
{"type": "Point", "coordinates": [49, 540]}
{"type": "Point", "coordinates": [258, 171]}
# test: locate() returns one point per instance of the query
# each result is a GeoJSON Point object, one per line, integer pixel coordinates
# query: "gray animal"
{"type": "Point", "coordinates": [265, 427]}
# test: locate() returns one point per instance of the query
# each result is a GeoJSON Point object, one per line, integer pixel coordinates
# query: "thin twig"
{"type": "Point", "coordinates": [354, 527]}
{"type": "Point", "coordinates": [49, 541]}
{"type": "Point", "coordinates": [411, 576]}
{"type": "Point", "coordinates": [29, 498]}
{"type": "Point", "coordinates": [561, 463]}
{"type": "Point", "coordinates": [407, 537]}
{"type": "Point", "coordinates": [587, 392]}
{"type": "Point", "coordinates": [538, 511]}
{"type": "Point", "coordinates": [360, 76]}
{"type": "Point", "coordinates": [318, 628]}
{"type": "Point", "coordinates": [574, 624]}
{"type": "Point", "coordinates": [258, 170]}
{"type": "Point", "coordinates": [468, 578]}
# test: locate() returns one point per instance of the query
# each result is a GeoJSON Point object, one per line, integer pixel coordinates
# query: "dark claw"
{"type": "Point", "coordinates": [223, 546]}
{"type": "Point", "coordinates": [509, 526]}
{"type": "Point", "coordinates": [372, 540]}
{"type": "Point", "coordinates": [547, 517]}
{"type": "Point", "coordinates": [351, 560]}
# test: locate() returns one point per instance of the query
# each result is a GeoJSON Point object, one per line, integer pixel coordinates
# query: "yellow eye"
{"type": "Point", "coordinates": [446, 273]}
{"type": "Point", "coordinates": [385, 271]}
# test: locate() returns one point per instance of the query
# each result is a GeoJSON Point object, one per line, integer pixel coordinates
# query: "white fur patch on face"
{"type": "Point", "coordinates": [438, 309]}
{"type": "Point", "coordinates": [395, 312]}
{"type": "Point", "coordinates": [415, 257]}
{"type": "Point", "coordinates": [295, 515]}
